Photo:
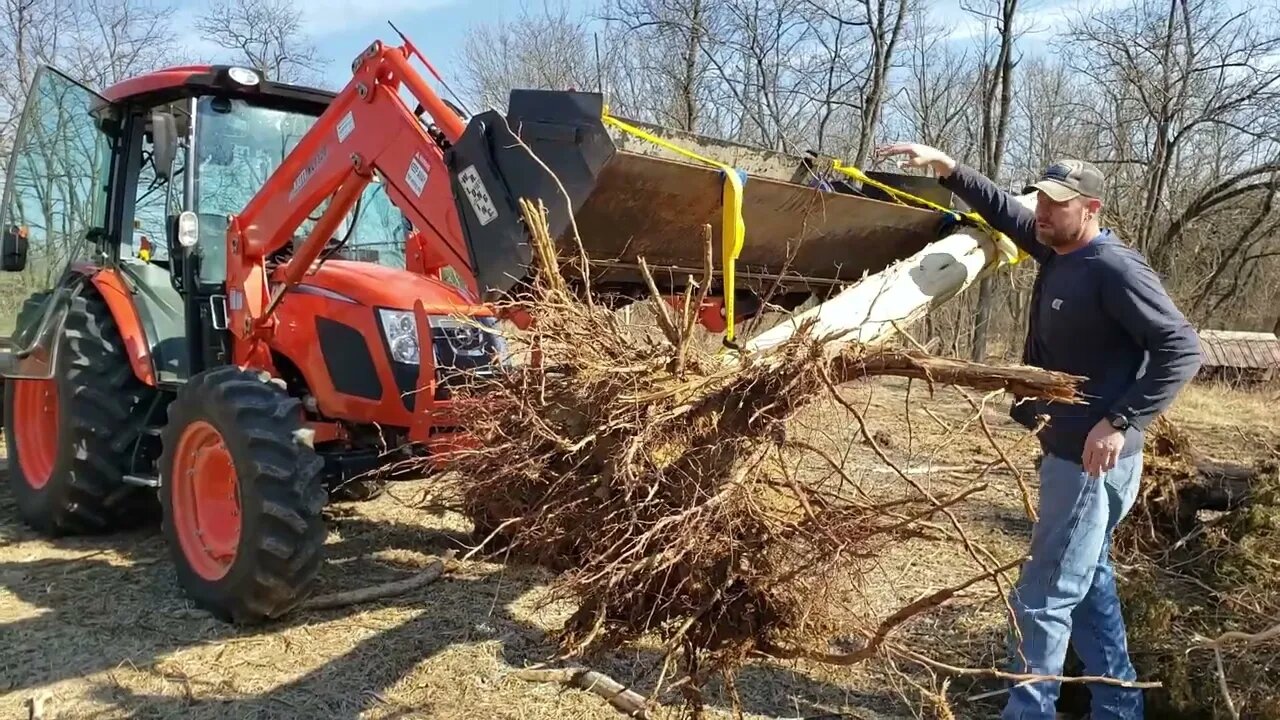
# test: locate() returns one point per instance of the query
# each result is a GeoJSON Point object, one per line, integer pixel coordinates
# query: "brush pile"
{"type": "Point", "coordinates": [1201, 599]}
{"type": "Point", "coordinates": [649, 474]}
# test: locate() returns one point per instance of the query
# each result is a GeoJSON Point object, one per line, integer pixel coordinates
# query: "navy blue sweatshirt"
{"type": "Point", "coordinates": [1099, 311]}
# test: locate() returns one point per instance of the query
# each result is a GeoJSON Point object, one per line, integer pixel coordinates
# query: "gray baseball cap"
{"type": "Point", "coordinates": [1069, 178]}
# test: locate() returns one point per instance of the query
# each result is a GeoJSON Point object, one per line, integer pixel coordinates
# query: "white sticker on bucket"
{"type": "Point", "coordinates": [478, 195]}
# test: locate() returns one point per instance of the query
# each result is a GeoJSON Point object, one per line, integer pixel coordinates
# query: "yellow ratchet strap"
{"type": "Point", "coordinates": [733, 229]}
{"type": "Point", "coordinates": [1011, 253]}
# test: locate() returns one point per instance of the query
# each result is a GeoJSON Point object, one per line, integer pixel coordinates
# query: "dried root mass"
{"type": "Point", "coordinates": [650, 476]}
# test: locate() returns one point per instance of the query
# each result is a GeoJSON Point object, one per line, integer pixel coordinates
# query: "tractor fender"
{"type": "Point", "coordinates": [111, 286]}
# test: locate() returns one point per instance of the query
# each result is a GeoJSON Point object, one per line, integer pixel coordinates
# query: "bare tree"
{"type": "Point", "coordinates": [938, 87]}
{"type": "Point", "coordinates": [758, 59]}
{"type": "Point", "coordinates": [59, 170]}
{"type": "Point", "coordinates": [97, 42]}
{"type": "Point", "coordinates": [1179, 71]}
{"type": "Point", "coordinates": [267, 34]}
{"type": "Point", "coordinates": [550, 49]}
{"type": "Point", "coordinates": [1175, 98]}
{"type": "Point", "coordinates": [883, 24]}
{"type": "Point", "coordinates": [667, 46]}
{"type": "Point", "coordinates": [996, 84]}
{"type": "Point", "coordinates": [121, 38]}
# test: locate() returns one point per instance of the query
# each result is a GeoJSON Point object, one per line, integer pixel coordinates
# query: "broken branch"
{"type": "Point", "coordinates": [380, 592]}
{"type": "Point", "coordinates": [629, 702]}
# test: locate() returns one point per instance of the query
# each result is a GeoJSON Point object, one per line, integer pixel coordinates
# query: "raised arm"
{"type": "Point", "coordinates": [997, 206]}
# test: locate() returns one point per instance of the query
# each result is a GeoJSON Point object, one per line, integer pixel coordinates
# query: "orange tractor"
{"type": "Point", "coordinates": [246, 298]}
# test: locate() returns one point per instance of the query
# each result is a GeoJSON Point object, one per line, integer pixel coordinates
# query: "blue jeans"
{"type": "Point", "coordinates": [1067, 591]}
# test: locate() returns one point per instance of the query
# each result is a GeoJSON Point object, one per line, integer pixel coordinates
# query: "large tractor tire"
{"type": "Point", "coordinates": [70, 438]}
{"type": "Point", "coordinates": [242, 496]}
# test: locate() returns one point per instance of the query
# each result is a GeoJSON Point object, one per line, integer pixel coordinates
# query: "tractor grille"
{"type": "Point", "coordinates": [462, 352]}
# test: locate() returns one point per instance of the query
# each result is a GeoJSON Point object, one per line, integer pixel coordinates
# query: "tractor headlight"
{"type": "Point", "coordinates": [401, 332]}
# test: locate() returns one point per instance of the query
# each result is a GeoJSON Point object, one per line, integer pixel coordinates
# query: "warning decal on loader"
{"type": "Point", "coordinates": [416, 175]}
{"type": "Point", "coordinates": [478, 195]}
{"type": "Point", "coordinates": [346, 126]}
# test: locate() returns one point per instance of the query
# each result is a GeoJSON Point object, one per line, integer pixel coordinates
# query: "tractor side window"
{"type": "Point", "coordinates": [159, 197]}
{"type": "Point", "coordinates": [57, 187]}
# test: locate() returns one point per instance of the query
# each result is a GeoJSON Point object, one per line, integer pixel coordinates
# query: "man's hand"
{"type": "Point", "coordinates": [919, 156]}
{"type": "Point", "coordinates": [1102, 448]}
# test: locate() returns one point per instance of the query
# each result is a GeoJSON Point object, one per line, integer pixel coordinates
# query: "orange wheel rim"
{"type": "Point", "coordinates": [35, 410]}
{"type": "Point", "coordinates": [206, 500]}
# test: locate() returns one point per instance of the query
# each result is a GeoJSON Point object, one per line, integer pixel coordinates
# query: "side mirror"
{"type": "Point", "coordinates": [164, 131]}
{"type": "Point", "coordinates": [13, 249]}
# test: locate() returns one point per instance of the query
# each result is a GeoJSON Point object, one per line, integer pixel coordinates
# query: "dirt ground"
{"type": "Point", "coordinates": [97, 628]}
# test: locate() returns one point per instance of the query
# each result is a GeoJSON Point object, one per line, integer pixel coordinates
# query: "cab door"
{"type": "Point", "coordinates": [52, 217]}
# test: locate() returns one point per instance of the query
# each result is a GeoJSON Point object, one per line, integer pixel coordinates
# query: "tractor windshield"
{"type": "Point", "coordinates": [239, 145]}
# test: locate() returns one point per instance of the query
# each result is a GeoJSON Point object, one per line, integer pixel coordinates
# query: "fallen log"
{"type": "Point", "coordinates": [1218, 485]}
{"type": "Point", "coordinates": [876, 307]}
{"type": "Point", "coordinates": [1183, 481]}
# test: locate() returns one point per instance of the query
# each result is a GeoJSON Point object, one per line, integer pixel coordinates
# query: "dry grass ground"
{"type": "Point", "coordinates": [96, 627]}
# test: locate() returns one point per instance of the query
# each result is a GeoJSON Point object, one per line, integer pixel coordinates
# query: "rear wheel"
{"type": "Point", "coordinates": [242, 496]}
{"type": "Point", "coordinates": [70, 438]}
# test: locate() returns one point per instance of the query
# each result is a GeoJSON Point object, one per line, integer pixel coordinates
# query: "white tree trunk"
{"type": "Point", "coordinates": [867, 311]}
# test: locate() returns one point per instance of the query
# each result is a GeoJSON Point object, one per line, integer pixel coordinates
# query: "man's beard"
{"type": "Point", "coordinates": [1055, 238]}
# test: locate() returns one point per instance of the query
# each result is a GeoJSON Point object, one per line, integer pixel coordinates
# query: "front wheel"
{"type": "Point", "coordinates": [242, 496]}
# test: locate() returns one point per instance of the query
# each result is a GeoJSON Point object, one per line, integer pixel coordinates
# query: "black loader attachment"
{"type": "Point", "coordinates": [807, 231]}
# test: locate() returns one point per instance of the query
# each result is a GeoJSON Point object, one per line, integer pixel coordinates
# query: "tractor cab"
{"type": "Point", "coordinates": [138, 183]}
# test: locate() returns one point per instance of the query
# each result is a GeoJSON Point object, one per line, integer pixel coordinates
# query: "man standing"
{"type": "Point", "coordinates": [1097, 310]}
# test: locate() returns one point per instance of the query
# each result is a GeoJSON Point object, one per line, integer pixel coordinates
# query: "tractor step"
{"type": "Point", "coordinates": [151, 481]}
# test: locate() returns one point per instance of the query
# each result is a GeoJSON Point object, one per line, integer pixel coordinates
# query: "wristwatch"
{"type": "Point", "coordinates": [1118, 421]}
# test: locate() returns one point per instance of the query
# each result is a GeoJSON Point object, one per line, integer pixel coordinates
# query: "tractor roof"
{"type": "Point", "coordinates": [185, 80]}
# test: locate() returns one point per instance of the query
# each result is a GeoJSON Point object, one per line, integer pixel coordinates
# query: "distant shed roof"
{"type": "Point", "coordinates": [1239, 349]}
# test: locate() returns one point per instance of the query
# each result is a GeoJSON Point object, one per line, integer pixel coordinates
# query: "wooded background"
{"type": "Point", "coordinates": [1177, 100]}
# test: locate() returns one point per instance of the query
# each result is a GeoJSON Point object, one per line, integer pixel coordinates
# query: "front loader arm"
{"type": "Point", "coordinates": [367, 128]}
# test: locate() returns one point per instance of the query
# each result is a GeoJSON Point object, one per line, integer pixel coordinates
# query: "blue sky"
{"type": "Point", "coordinates": [343, 28]}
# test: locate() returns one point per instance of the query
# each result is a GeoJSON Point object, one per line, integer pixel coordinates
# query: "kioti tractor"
{"type": "Point", "coordinates": [246, 298]}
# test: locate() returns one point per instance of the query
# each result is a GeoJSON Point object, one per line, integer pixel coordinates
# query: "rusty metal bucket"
{"type": "Point", "coordinates": [632, 199]}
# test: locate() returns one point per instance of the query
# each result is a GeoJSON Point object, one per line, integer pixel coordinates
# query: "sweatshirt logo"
{"type": "Point", "coordinates": [1057, 303]}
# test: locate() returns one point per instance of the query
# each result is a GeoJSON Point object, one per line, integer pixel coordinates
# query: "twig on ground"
{"type": "Point", "coordinates": [379, 592]}
{"type": "Point", "coordinates": [1017, 474]}
{"type": "Point", "coordinates": [1222, 684]}
{"type": "Point", "coordinates": [1237, 636]}
{"type": "Point", "coordinates": [969, 545]}
{"type": "Point", "coordinates": [627, 701]}
{"type": "Point", "coordinates": [38, 705]}
{"type": "Point", "coordinates": [1018, 677]}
